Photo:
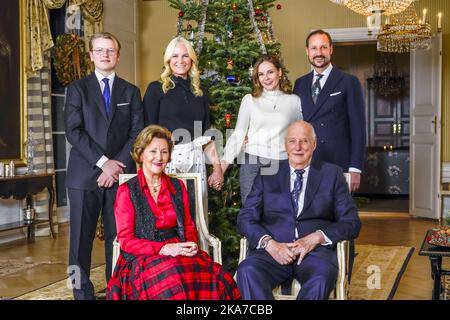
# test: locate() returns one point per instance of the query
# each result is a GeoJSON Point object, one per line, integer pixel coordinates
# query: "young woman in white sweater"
{"type": "Point", "coordinates": [262, 121]}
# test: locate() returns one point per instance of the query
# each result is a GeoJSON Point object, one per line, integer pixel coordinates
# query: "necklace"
{"type": "Point", "coordinates": [155, 187]}
{"type": "Point", "coordinates": [276, 95]}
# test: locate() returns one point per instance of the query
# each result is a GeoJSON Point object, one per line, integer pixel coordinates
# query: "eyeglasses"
{"type": "Point", "coordinates": [101, 51]}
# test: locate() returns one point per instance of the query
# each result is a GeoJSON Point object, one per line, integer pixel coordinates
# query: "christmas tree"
{"type": "Point", "coordinates": [229, 36]}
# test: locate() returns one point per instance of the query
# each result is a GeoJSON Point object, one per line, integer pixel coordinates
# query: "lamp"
{"type": "Point", "coordinates": [373, 9]}
{"type": "Point", "coordinates": [404, 32]}
{"type": "Point", "coordinates": [386, 80]}
{"type": "Point", "coordinates": [369, 7]}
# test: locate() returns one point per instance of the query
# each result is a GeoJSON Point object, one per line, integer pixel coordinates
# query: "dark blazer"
{"type": "Point", "coordinates": [328, 206]}
{"type": "Point", "coordinates": [338, 118]}
{"type": "Point", "coordinates": [93, 134]}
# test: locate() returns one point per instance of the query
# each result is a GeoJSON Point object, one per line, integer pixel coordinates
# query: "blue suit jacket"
{"type": "Point", "coordinates": [328, 206]}
{"type": "Point", "coordinates": [338, 118]}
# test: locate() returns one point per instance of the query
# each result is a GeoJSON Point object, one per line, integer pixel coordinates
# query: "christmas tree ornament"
{"type": "Point", "coordinates": [230, 34]}
{"type": "Point", "coordinates": [250, 72]}
{"type": "Point", "coordinates": [191, 35]}
{"type": "Point", "coordinates": [181, 14]}
{"type": "Point", "coordinates": [231, 78]}
{"type": "Point", "coordinates": [264, 18]}
{"type": "Point", "coordinates": [230, 64]}
{"type": "Point", "coordinates": [189, 26]}
{"type": "Point", "coordinates": [234, 7]}
{"type": "Point", "coordinates": [227, 120]}
{"type": "Point", "coordinates": [258, 11]}
{"type": "Point", "coordinates": [279, 7]}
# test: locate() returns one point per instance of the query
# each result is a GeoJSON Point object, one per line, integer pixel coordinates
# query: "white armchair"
{"type": "Point", "coordinates": [339, 293]}
{"type": "Point", "coordinates": [207, 241]}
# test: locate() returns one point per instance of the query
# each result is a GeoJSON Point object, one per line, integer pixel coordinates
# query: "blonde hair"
{"type": "Point", "coordinates": [104, 35]}
{"type": "Point", "coordinates": [194, 74]}
{"type": "Point", "coordinates": [146, 136]}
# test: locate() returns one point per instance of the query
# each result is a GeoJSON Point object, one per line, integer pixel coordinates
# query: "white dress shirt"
{"type": "Point", "coordinates": [301, 202]}
{"type": "Point", "coordinates": [111, 78]}
{"type": "Point", "coordinates": [301, 199]}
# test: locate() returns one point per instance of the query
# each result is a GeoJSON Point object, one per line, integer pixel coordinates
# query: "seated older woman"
{"type": "Point", "coordinates": [160, 258]}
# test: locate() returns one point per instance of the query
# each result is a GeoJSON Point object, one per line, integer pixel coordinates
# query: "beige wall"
{"type": "Point", "coordinates": [291, 25]}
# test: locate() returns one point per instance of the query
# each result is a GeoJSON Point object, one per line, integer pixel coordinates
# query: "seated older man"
{"type": "Point", "coordinates": [293, 220]}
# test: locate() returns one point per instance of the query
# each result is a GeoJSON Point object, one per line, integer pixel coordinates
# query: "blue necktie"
{"type": "Point", "coordinates": [297, 188]}
{"type": "Point", "coordinates": [106, 95]}
{"type": "Point", "coordinates": [316, 88]}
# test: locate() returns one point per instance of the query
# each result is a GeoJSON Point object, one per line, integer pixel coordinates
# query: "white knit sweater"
{"type": "Point", "coordinates": [264, 121]}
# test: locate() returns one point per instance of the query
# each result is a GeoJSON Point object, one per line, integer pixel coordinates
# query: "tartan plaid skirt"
{"type": "Point", "coordinates": [157, 277]}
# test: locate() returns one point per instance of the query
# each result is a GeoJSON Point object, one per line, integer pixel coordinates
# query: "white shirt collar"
{"type": "Point", "coordinates": [325, 73]}
{"type": "Point", "coordinates": [293, 169]}
{"type": "Point", "coordinates": [100, 77]}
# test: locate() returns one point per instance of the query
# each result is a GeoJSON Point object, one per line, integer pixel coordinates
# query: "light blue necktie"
{"type": "Point", "coordinates": [106, 95]}
{"type": "Point", "coordinates": [297, 188]}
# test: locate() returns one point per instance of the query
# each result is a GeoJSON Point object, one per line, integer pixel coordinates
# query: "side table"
{"type": "Point", "coordinates": [435, 254]}
{"type": "Point", "coordinates": [24, 186]}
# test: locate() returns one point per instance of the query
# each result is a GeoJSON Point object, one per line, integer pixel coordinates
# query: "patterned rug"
{"type": "Point", "coordinates": [385, 263]}
{"type": "Point", "coordinates": [377, 271]}
{"type": "Point", "coordinates": [10, 266]}
{"type": "Point", "coordinates": [60, 290]}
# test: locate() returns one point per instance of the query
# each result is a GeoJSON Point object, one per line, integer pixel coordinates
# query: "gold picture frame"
{"type": "Point", "coordinates": [13, 82]}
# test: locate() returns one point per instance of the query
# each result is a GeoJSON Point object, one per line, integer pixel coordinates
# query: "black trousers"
{"type": "Point", "coordinates": [85, 207]}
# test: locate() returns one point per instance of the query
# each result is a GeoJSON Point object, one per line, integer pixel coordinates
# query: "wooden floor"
{"type": "Point", "coordinates": [381, 229]}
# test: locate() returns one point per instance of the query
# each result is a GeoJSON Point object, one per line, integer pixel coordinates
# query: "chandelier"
{"type": "Point", "coordinates": [369, 7]}
{"type": "Point", "coordinates": [404, 31]}
{"type": "Point", "coordinates": [373, 9]}
{"type": "Point", "coordinates": [386, 80]}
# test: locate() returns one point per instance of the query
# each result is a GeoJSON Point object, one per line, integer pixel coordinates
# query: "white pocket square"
{"type": "Point", "coordinates": [335, 94]}
{"type": "Point", "coordinates": [123, 104]}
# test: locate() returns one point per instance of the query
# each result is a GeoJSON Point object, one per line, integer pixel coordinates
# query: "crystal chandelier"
{"type": "Point", "coordinates": [386, 80]}
{"type": "Point", "coordinates": [404, 32]}
{"type": "Point", "coordinates": [369, 7]}
{"type": "Point", "coordinates": [373, 9]}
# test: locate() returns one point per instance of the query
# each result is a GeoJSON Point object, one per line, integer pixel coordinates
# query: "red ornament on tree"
{"type": "Point", "coordinates": [227, 120]}
{"type": "Point", "coordinates": [258, 12]}
{"type": "Point", "coordinates": [263, 18]}
{"type": "Point", "coordinates": [279, 6]}
{"type": "Point", "coordinates": [181, 14]}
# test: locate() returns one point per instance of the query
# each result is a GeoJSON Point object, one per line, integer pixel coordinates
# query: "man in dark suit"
{"type": "Point", "coordinates": [332, 101]}
{"type": "Point", "coordinates": [293, 220]}
{"type": "Point", "coordinates": [103, 115]}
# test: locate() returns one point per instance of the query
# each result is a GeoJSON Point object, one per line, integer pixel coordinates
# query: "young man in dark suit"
{"type": "Point", "coordinates": [332, 101]}
{"type": "Point", "coordinates": [293, 220]}
{"type": "Point", "coordinates": [103, 115]}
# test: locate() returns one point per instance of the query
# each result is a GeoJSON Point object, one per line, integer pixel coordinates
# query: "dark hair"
{"type": "Point", "coordinates": [284, 84]}
{"type": "Point", "coordinates": [319, 31]}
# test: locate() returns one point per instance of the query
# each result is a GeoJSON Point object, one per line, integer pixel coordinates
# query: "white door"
{"type": "Point", "coordinates": [121, 19]}
{"type": "Point", "coordinates": [425, 131]}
